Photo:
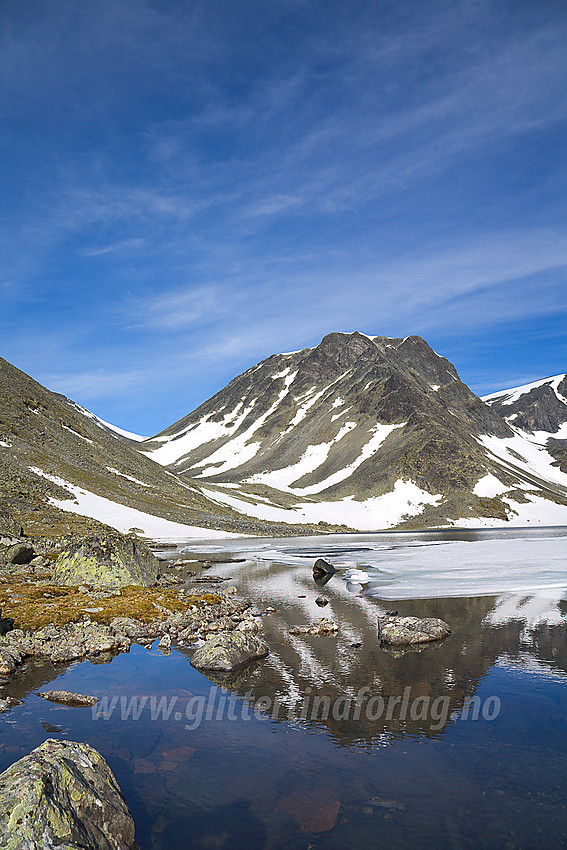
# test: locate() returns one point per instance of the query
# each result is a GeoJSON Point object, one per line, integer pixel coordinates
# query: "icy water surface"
{"type": "Point", "coordinates": [334, 742]}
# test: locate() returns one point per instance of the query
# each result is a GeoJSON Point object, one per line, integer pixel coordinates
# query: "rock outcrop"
{"type": "Point", "coordinates": [16, 553]}
{"type": "Point", "coordinates": [63, 794]}
{"type": "Point", "coordinates": [110, 560]}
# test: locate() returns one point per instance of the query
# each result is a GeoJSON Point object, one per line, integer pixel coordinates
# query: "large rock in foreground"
{"type": "Point", "coordinates": [108, 561]}
{"type": "Point", "coordinates": [228, 651]}
{"type": "Point", "coordinates": [63, 794]}
{"type": "Point", "coordinates": [406, 631]}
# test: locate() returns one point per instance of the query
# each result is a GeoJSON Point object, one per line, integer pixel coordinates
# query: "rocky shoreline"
{"type": "Point", "coordinates": [95, 597]}
{"type": "Point", "coordinates": [76, 620]}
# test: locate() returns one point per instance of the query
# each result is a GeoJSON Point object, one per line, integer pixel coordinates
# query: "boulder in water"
{"type": "Point", "coordinates": [228, 650]}
{"type": "Point", "coordinates": [406, 631]}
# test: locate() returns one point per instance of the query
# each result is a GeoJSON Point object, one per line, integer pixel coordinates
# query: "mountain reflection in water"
{"type": "Point", "coordinates": [329, 779]}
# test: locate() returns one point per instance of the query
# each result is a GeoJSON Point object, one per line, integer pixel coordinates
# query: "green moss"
{"type": "Point", "coordinates": [35, 606]}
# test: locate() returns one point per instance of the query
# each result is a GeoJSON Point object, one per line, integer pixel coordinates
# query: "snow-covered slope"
{"type": "Point", "coordinates": [363, 432]}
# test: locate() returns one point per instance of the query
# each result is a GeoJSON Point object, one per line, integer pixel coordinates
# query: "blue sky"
{"type": "Point", "coordinates": [189, 187]}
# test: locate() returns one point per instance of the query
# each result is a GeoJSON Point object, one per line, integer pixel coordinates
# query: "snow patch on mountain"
{"type": "Point", "coordinates": [76, 434]}
{"type": "Point", "coordinates": [129, 477]}
{"type": "Point", "coordinates": [520, 453]}
{"type": "Point", "coordinates": [178, 445]}
{"type": "Point", "coordinates": [489, 487]}
{"type": "Point", "coordinates": [311, 460]}
{"type": "Point", "coordinates": [376, 513]}
{"type": "Point", "coordinates": [106, 425]}
{"type": "Point", "coordinates": [536, 511]}
{"type": "Point", "coordinates": [379, 434]}
{"type": "Point", "coordinates": [124, 518]}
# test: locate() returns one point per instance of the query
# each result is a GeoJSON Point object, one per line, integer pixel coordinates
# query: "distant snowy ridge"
{"type": "Point", "coordinates": [106, 425]}
{"type": "Point", "coordinates": [509, 396]}
{"type": "Point", "coordinates": [538, 408]}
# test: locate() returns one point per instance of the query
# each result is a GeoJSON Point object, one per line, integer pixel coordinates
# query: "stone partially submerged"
{"type": "Point", "coordinates": [69, 699]}
{"type": "Point", "coordinates": [63, 794]}
{"type": "Point", "coordinates": [407, 631]}
{"type": "Point", "coordinates": [323, 626]}
{"type": "Point", "coordinates": [228, 650]}
{"type": "Point", "coordinates": [322, 568]}
{"type": "Point", "coordinates": [111, 560]}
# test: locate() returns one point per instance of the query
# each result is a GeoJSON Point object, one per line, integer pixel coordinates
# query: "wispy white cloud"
{"type": "Point", "coordinates": [224, 190]}
{"type": "Point", "coordinates": [178, 310]}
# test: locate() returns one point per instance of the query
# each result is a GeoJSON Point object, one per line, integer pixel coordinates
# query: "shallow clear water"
{"type": "Point", "coordinates": [331, 744]}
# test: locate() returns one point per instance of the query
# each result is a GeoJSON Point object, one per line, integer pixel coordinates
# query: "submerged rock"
{"type": "Point", "coordinates": [323, 626]}
{"type": "Point", "coordinates": [68, 698]}
{"type": "Point", "coordinates": [111, 560]}
{"type": "Point", "coordinates": [228, 651]}
{"type": "Point", "coordinates": [405, 631]}
{"type": "Point", "coordinates": [63, 794]}
{"type": "Point", "coordinates": [9, 702]}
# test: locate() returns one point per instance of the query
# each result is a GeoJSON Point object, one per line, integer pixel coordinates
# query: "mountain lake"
{"type": "Point", "coordinates": [336, 741]}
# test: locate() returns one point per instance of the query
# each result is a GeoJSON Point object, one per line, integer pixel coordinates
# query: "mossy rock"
{"type": "Point", "coordinates": [63, 794]}
{"type": "Point", "coordinates": [106, 561]}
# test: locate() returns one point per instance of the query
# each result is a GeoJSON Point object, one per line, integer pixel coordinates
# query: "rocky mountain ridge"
{"type": "Point", "coordinates": [356, 433]}
{"type": "Point", "coordinates": [368, 431]}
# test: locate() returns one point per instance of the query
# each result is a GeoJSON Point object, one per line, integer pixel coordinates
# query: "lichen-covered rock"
{"type": "Point", "coordinates": [60, 644]}
{"type": "Point", "coordinates": [405, 631]}
{"type": "Point", "coordinates": [107, 561]}
{"type": "Point", "coordinates": [63, 794]}
{"type": "Point", "coordinates": [228, 651]}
